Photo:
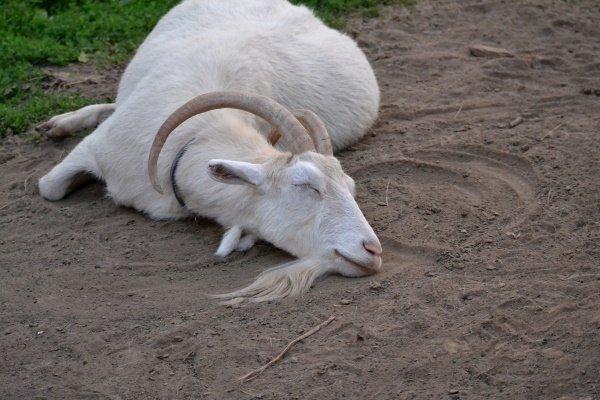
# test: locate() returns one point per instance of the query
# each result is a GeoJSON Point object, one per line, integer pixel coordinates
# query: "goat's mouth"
{"type": "Point", "coordinates": [365, 269]}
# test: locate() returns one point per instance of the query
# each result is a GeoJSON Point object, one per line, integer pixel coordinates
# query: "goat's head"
{"type": "Point", "coordinates": [306, 207]}
{"type": "Point", "coordinates": [305, 202]}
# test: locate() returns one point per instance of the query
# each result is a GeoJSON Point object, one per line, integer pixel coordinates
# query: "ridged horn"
{"type": "Point", "coordinates": [297, 139]}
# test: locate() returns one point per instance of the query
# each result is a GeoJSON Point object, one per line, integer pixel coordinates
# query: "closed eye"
{"type": "Point", "coordinates": [308, 187]}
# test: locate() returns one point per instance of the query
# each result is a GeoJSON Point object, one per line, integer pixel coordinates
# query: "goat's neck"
{"type": "Point", "coordinates": [228, 204]}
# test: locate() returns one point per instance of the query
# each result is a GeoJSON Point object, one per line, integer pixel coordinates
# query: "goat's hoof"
{"type": "Point", "coordinates": [221, 256]}
{"type": "Point", "coordinates": [59, 126]}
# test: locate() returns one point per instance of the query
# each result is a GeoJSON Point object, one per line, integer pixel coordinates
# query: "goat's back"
{"type": "Point", "coordinates": [265, 46]}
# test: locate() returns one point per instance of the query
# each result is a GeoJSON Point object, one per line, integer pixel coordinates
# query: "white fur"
{"type": "Point", "coordinates": [303, 204]}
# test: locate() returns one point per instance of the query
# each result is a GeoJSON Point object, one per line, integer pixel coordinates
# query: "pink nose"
{"type": "Point", "coordinates": [373, 247]}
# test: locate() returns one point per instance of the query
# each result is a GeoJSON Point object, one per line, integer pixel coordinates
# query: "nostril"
{"type": "Point", "coordinates": [373, 248]}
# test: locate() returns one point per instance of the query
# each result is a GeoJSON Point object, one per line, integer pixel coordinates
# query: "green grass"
{"type": "Point", "coordinates": [38, 33]}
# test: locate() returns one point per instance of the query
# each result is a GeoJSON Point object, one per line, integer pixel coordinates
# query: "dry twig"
{"type": "Point", "coordinates": [551, 131]}
{"type": "Point", "coordinates": [459, 110]}
{"type": "Point", "coordinates": [387, 188]}
{"type": "Point", "coordinates": [256, 372]}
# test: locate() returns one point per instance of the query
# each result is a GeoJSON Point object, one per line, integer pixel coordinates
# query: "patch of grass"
{"type": "Point", "coordinates": [39, 33]}
{"type": "Point", "coordinates": [335, 12]}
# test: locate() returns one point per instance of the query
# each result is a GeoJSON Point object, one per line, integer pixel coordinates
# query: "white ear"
{"type": "Point", "coordinates": [236, 172]}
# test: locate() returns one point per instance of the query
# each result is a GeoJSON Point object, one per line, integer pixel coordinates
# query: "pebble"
{"type": "Point", "coordinates": [515, 122]}
{"type": "Point", "coordinates": [375, 286]}
{"type": "Point", "coordinates": [589, 91]}
{"type": "Point", "coordinates": [489, 52]}
{"type": "Point", "coordinates": [345, 302]}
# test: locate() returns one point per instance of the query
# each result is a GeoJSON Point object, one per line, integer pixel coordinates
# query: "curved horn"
{"type": "Point", "coordinates": [316, 129]}
{"type": "Point", "coordinates": [296, 138]}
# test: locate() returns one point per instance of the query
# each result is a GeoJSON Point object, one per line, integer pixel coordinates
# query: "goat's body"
{"type": "Point", "coordinates": [266, 47]}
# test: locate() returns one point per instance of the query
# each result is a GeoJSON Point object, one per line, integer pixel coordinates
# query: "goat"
{"type": "Point", "coordinates": [251, 61]}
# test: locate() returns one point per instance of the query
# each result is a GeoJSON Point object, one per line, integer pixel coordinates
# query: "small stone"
{"type": "Point", "coordinates": [178, 339]}
{"type": "Point", "coordinates": [489, 52]}
{"type": "Point", "coordinates": [453, 391]}
{"type": "Point", "coordinates": [491, 267]}
{"type": "Point", "coordinates": [163, 356]}
{"type": "Point", "coordinates": [515, 122]}
{"type": "Point", "coordinates": [375, 286]}
{"type": "Point", "coordinates": [464, 231]}
{"type": "Point", "coordinates": [345, 302]}
{"type": "Point", "coordinates": [40, 332]}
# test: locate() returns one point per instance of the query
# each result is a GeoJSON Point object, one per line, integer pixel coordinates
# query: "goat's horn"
{"type": "Point", "coordinates": [296, 138]}
{"type": "Point", "coordinates": [316, 129]}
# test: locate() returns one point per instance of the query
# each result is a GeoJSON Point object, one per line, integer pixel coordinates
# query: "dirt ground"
{"type": "Point", "coordinates": [491, 282]}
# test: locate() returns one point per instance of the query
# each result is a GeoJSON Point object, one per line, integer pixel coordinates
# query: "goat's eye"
{"type": "Point", "coordinates": [306, 186]}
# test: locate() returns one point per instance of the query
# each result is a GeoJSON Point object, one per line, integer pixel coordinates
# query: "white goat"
{"type": "Point", "coordinates": [263, 57]}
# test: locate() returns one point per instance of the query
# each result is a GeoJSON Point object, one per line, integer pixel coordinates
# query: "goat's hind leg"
{"type": "Point", "coordinates": [66, 124]}
{"type": "Point", "coordinates": [78, 168]}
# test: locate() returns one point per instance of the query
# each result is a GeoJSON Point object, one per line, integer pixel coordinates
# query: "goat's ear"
{"type": "Point", "coordinates": [236, 172]}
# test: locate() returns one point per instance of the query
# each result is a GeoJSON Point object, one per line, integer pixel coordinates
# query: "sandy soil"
{"type": "Point", "coordinates": [491, 286]}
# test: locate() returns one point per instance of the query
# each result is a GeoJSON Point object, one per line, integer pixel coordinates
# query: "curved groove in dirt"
{"type": "Point", "coordinates": [494, 182]}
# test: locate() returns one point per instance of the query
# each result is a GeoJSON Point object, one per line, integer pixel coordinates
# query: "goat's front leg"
{"type": "Point", "coordinates": [234, 239]}
{"type": "Point", "coordinates": [230, 241]}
